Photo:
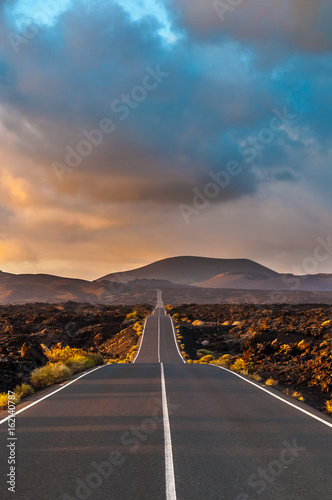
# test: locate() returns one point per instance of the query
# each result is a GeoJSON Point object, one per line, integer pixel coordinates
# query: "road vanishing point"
{"type": "Point", "coordinates": [162, 429]}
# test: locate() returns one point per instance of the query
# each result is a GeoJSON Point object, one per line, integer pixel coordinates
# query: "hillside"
{"type": "Point", "coordinates": [20, 288]}
{"type": "Point", "coordinates": [189, 270]}
{"type": "Point", "coordinates": [255, 281]}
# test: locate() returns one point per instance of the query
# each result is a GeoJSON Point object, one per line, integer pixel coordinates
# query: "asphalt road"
{"type": "Point", "coordinates": [163, 429]}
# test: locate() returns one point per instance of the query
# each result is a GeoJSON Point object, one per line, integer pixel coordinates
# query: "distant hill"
{"type": "Point", "coordinates": [189, 270]}
{"type": "Point", "coordinates": [254, 281]}
{"type": "Point", "coordinates": [20, 288]}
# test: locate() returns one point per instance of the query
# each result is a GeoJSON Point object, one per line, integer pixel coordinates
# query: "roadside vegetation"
{"type": "Point", "coordinates": [20, 391]}
{"type": "Point", "coordinates": [44, 344]}
{"type": "Point", "coordinates": [64, 362]}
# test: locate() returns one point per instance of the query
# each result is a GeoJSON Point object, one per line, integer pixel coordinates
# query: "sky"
{"type": "Point", "coordinates": [132, 131]}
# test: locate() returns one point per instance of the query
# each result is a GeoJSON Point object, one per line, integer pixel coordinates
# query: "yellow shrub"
{"type": "Point", "coordinates": [138, 327]}
{"type": "Point", "coordinates": [58, 353]}
{"type": "Point", "coordinates": [76, 359]}
{"type": "Point", "coordinates": [271, 382]}
{"type": "Point", "coordinates": [239, 365]}
{"type": "Point", "coordinates": [206, 359]}
{"type": "Point", "coordinates": [297, 395]}
{"type": "Point", "coordinates": [328, 405]}
{"type": "Point", "coordinates": [225, 360]}
{"type": "Point", "coordinates": [20, 392]}
{"type": "Point", "coordinates": [134, 315]}
{"type": "Point", "coordinates": [4, 400]}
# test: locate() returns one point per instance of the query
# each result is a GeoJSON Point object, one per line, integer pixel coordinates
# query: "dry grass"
{"type": "Point", "coordinates": [52, 373]}
{"type": "Point", "coordinates": [255, 376]}
{"type": "Point", "coordinates": [23, 390]}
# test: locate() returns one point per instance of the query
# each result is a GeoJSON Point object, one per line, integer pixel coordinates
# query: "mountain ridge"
{"type": "Point", "coordinates": [187, 270]}
{"type": "Point", "coordinates": [185, 278]}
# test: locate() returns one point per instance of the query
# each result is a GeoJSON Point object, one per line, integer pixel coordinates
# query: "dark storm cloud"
{"type": "Point", "coordinates": [215, 94]}
{"type": "Point", "coordinates": [65, 79]}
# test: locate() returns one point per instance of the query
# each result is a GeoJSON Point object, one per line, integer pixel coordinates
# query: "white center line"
{"type": "Point", "coordinates": [158, 339]}
{"type": "Point", "coordinates": [169, 465]}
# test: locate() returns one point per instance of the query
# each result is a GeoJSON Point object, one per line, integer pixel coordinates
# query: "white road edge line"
{"type": "Point", "coordinates": [306, 412]}
{"type": "Point", "coordinates": [140, 346]}
{"type": "Point", "coordinates": [158, 339]}
{"type": "Point", "coordinates": [176, 341]}
{"type": "Point", "coordinates": [51, 393]}
{"type": "Point", "coordinates": [169, 465]}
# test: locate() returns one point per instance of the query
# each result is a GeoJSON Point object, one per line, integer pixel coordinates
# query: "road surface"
{"type": "Point", "coordinates": [161, 429]}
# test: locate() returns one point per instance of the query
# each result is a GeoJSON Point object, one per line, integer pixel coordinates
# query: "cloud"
{"type": "Point", "coordinates": [278, 23]}
{"type": "Point", "coordinates": [216, 86]}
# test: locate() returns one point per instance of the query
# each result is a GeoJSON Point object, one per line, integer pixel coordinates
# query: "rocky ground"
{"type": "Point", "coordinates": [134, 294]}
{"type": "Point", "coordinates": [23, 328]}
{"type": "Point", "coordinates": [290, 343]}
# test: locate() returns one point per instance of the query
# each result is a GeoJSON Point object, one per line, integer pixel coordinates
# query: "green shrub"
{"type": "Point", "coordinates": [78, 364]}
{"type": "Point", "coordinates": [50, 374]}
{"type": "Point", "coordinates": [96, 357]}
